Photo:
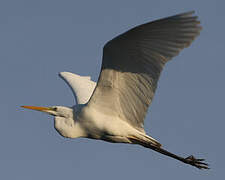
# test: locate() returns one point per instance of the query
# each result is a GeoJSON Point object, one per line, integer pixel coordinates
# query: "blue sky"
{"type": "Point", "coordinates": [38, 39]}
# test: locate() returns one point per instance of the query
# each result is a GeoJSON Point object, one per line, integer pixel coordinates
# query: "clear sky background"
{"type": "Point", "coordinates": [39, 38]}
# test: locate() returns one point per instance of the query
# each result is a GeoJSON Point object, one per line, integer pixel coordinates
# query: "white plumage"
{"type": "Point", "coordinates": [114, 110]}
{"type": "Point", "coordinates": [82, 86]}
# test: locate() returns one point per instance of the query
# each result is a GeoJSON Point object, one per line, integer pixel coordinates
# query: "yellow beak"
{"type": "Point", "coordinates": [42, 109]}
{"type": "Point", "coordinates": [49, 110]}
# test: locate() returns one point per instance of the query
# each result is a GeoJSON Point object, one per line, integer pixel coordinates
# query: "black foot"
{"type": "Point", "coordinates": [196, 162]}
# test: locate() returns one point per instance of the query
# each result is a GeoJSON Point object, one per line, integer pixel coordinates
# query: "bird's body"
{"type": "Point", "coordinates": [114, 109]}
{"type": "Point", "coordinates": [80, 122]}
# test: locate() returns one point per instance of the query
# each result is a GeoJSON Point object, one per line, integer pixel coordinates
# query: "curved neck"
{"type": "Point", "coordinates": [69, 128]}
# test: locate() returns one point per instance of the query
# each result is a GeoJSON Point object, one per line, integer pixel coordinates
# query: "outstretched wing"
{"type": "Point", "coordinates": [132, 63]}
{"type": "Point", "coordinates": [82, 86]}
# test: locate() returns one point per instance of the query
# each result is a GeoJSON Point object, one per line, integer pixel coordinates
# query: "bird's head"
{"type": "Point", "coordinates": [64, 119]}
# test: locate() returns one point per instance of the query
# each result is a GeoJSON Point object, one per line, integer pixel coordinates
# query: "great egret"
{"type": "Point", "coordinates": [115, 109]}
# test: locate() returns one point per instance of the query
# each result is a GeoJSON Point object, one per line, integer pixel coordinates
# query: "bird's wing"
{"type": "Point", "coordinates": [82, 86]}
{"type": "Point", "coordinates": [132, 63]}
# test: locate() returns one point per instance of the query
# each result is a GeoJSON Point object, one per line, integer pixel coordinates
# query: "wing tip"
{"type": "Point", "coordinates": [69, 74]}
{"type": "Point", "coordinates": [185, 14]}
{"type": "Point", "coordinates": [64, 73]}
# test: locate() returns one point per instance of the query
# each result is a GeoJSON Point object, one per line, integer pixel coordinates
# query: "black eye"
{"type": "Point", "coordinates": [54, 108]}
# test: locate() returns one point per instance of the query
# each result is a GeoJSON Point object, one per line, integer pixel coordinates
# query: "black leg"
{"type": "Point", "coordinates": [189, 160]}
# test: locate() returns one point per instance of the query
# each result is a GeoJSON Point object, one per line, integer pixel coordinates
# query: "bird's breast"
{"type": "Point", "coordinates": [99, 125]}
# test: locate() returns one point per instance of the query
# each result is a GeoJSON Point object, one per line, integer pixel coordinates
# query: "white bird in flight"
{"type": "Point", "coordinates": [114, 109]}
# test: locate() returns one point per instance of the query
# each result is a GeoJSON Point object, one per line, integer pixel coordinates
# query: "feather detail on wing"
{"type": "Point", "coordinates": [82, 86]}
{"type": "Point", "coordinates": [132, 63]}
